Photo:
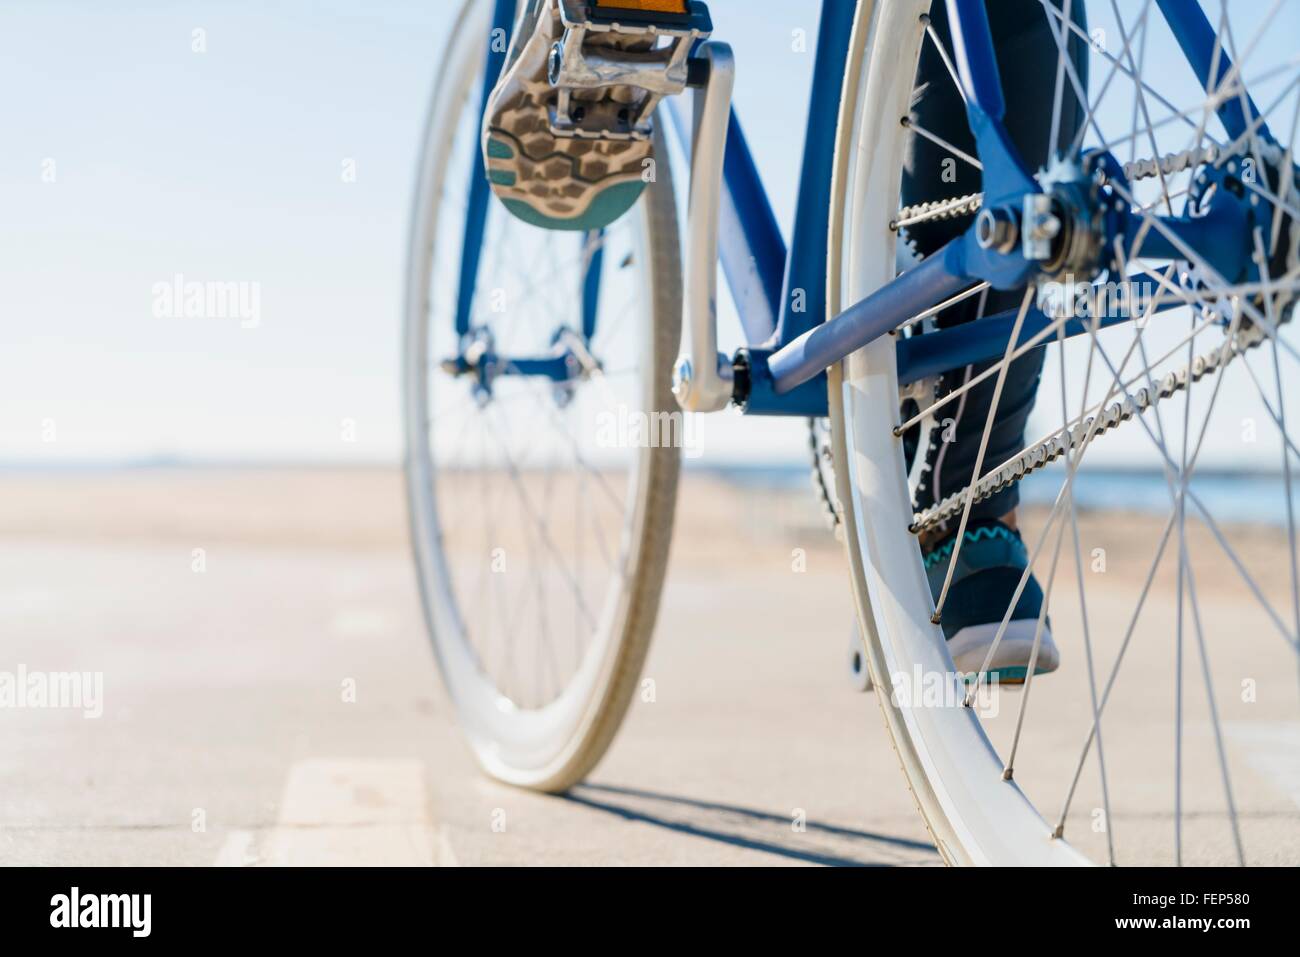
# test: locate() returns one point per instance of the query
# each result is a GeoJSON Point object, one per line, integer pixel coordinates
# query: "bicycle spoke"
{"type": "Point", "coordinates": [911, 124]}
{"type": "Point", "coordinates": [1063, 57]}
{"type": "Point", "coordinates": [979, 458]}
{"type": "Point", "coordinates": [1219, 749]}
{"type": "Point", "coordinates": [1114, 673]}
{"type": "Point", "coordinates": [1280, 420]}
{"type": "Point", "coordinates": [1008, 772]}
{"type": "Point", "coordinates": [1083, 601]}
{"type": "Point", "coordinates": [1119, 370]}
{"type": "Point", "coordinates": [513, 473]}
{"type": "Point", "coordinates": [947, 61]}
{"type": "Point", "coordinates": [1089, 122]}
{"type": "Point", "coordinates": [1141, 103]}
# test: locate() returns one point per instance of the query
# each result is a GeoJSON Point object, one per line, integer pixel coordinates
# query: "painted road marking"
{"type": "Point", "coordinates": [237, 851]}
{"type": "Point", "coordinates": [341, 811]}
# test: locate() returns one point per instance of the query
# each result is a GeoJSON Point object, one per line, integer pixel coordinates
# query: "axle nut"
{"type": "Point", "coordinates": [997, 228]}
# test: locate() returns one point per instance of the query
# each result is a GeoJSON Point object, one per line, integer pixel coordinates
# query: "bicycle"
{"type": "Point", "coordinates": [517, 353]}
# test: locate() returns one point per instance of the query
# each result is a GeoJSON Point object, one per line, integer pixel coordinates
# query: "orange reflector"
{"type": "Point", "coordinates": [653, 6]}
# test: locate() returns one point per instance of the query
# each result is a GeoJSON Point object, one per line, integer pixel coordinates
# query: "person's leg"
{"type": "Point", "coordinates": [992, 558]}
{"type": "Point", "coordinates": [1026, 54]}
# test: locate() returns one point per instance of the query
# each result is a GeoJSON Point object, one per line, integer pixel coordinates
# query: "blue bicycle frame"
{"type": "Point", "coordinates": [780, 294]}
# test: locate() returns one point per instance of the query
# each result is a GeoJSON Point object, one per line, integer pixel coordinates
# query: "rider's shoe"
{"type": "Point", "coordinates": [990, 564]}
{"type": "Point", "coordinates": [585, 179]}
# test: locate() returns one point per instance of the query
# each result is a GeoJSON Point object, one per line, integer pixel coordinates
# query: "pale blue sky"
{"type": "Point", "coordinates": [226, 165]}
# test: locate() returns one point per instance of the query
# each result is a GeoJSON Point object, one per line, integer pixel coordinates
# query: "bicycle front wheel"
{"type": "Point", "coordinates": [541, 505]}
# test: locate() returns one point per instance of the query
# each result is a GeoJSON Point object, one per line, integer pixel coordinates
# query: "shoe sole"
{"type": "Point", "coordinates": [970, 646]}
{"type": "Point", "coordinates": [556, 182]}
{"type": "Point", "coordinates": [1010, 664]}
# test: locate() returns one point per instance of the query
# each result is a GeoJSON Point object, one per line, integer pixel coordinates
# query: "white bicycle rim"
{"type": "Point", "coordinates": [966, 789]}
{"type": "Point", "coordinates": [955, 774]}
{"type": "Point", "coordinates": [550, 746]}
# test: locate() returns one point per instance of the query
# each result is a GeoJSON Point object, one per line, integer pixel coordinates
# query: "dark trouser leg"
{"type": "Point", "coordinates": [1026, 54]}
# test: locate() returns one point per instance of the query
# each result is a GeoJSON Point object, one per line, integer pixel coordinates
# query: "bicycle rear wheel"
{"type": "Point", "coordinates": [1200, 683]}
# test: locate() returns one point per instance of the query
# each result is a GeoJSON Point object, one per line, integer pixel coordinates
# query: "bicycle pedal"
{"type": "Point", "coordinates": [567, 130]}
{"type": "Point", "coordinates": [615, 62]}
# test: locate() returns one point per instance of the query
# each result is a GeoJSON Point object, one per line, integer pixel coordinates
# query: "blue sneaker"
{"type": "Point", "coordinates": [990, 564]}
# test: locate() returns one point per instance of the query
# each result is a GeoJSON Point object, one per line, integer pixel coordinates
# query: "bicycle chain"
{"type": "Point", "coordinates": [1035, 457]}
{"type": "Point", "coordinates": [1041, 454]}
{"type": "Point", "coordinates": [1139, 169]}
{"type": "Point", "coordinates": [937, 209]}
{"type": "Point", "coordinates": [823, 471]}
{"type": "Point", "coordinates": [1172, 163]}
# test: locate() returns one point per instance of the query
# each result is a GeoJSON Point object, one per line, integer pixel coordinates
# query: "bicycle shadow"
{"type": "Point", "coordinates": [738, 826]}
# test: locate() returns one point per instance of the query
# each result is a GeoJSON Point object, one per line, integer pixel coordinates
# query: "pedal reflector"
{"type": "Point", "coordinates": [650, 6]}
